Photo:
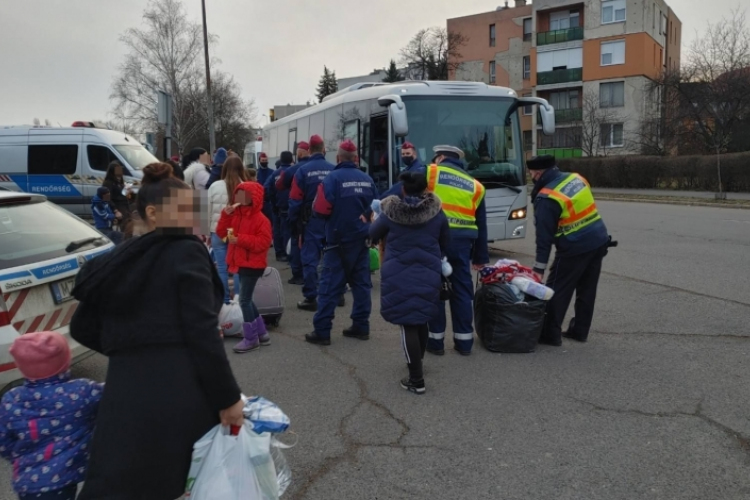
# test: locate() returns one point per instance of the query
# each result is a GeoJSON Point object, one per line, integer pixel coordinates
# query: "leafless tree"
{"type": "Point", "coordinates": [432, 54]}
{"type": "Point", "coordinates": [594, 124]}
{"type": "Point", "coordinates": [166, 53]}
{"type": "Point", "coordinates": [707, 101]}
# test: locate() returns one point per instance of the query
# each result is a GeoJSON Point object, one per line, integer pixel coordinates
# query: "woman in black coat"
{"type": "Point", "coordinates": [151, 305]}
{"type": "Point", "coordinates": [116, 183]}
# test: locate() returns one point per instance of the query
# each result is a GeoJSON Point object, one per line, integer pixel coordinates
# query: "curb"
{"type": "Point", "coordinates": [674, 202]}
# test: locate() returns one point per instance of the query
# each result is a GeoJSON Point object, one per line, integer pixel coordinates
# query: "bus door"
{"type": "Point", "coordinates": [378, 158]}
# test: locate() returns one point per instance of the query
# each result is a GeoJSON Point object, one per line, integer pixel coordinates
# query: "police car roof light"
{"type": "Point", "coordinates": [83, 124]}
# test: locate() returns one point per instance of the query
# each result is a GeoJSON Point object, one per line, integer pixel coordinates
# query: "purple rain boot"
{"type": "Point", "coordinates": [263, 336]}
{"type": "Point", "coordinates": [250, 340]}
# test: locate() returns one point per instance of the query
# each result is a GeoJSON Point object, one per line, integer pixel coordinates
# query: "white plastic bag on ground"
{"type": "Point", "coordinates": [222, 467]}
{"type": "Point", "coordinates": [230, 319]}
{"type": "Point", "coordinates": [534, 289]}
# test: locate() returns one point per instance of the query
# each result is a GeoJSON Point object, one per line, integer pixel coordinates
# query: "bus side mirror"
{"type": "Point", "coordinates": [546, 112]}
{"type": "Point", "coordinates": [398, 114]}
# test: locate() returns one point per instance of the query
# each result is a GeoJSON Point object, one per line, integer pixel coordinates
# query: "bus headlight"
{"type": "Point", "coordinates": [518, 214]}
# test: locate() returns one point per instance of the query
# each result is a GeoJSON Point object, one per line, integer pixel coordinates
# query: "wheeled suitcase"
{"type": "Point", "coordinates": [269, 296]}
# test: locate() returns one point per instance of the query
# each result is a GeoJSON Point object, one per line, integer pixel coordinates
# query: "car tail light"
{"type": "Point", "coordinates": [518, 214]}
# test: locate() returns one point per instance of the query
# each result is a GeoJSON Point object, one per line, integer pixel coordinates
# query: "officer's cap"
{"type": "Point", "coordinates": [449, 151]}
{"type": "Point", "coordinates": [408, 145]}
{"type": "Point", "coordinates": [348, 146]}
{"type": "Point", "coordinates": [542, 162]}
{"type": "Point", "coordinates": [316, 140]}
{"type": "Point", "coordinates": [303, 146]}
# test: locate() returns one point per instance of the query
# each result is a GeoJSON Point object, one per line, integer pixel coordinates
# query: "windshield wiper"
{"type": "Point", "coordinates": [512, 188]}
{"type": "Point", "coordinates": [75, 245]}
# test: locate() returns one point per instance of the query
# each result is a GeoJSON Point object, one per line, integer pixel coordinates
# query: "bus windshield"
{"type": "Point", "coordinates": [487, 129]}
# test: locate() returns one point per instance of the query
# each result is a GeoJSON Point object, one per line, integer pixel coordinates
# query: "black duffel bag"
{"type": "Point", "coordinates": [505, 325]}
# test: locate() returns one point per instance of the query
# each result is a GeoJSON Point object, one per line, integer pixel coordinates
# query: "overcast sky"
{"type": "Point", "coordinates": [58, 57]}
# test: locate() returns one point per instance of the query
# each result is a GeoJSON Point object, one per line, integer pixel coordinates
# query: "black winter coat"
{"type": "Point", "coordinates": [151, 306]}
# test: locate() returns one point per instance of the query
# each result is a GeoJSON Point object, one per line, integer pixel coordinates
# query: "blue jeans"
{"type": "Point", "coordinates": [247, 287]}
{"type": "Point", "coordinates": [220, 254]}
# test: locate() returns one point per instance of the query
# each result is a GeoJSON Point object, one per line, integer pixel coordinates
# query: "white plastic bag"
{"type": "Point", "coordinates": [222, 467]}
{"type": "Point", "coordinates": [264, 415]}
{"type": "Point", "coordinates": [230, 319]}
{"type": "Point", "coordinates": [534, 289]}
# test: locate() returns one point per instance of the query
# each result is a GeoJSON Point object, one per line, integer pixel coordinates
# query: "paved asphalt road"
{"type": "Point", "coordinates": [669, 192]}
{"type": "Point", "coordinates": [655, 406]}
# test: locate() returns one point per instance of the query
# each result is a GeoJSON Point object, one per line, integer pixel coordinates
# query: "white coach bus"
{"type": "Point", "coordinates": [480, 119]}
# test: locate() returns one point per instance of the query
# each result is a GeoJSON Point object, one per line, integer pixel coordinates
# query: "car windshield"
{"type": "Point", "coordinates": [34, 232]}
{"type": "Point", "coordinates": [136, 156]}
{"type": "Point", "coordinates": [486, 129]}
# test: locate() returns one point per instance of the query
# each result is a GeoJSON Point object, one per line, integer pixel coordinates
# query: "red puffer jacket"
{"type": "Point", "coordinates": [252, 229]}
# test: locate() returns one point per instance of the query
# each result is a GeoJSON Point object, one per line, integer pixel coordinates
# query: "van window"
{"type": "Point", "coordinates": [100, 157]}
{"type": "Point", "coordinates": [136, 156]}
{"type": "Point", "coordinates": [53, 160]}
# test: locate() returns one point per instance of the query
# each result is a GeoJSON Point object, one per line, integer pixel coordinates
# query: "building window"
{"type": "Point", "coordinates": [613, 53]}
{"type": "Point", "coordinates": [528, 140]}
{"type": "Point", "coordinates": [663, 30]}
{"type": "Point", "coordinates": [492, 35]}
{"type": "Point", "coordinates": [529, 109]}
{"type": "Point", "coordinates": [527, 29]}
{"type": "Point", "coordinates": [564, 20]}
{"type": "Point", "coordinates": [613, 11]}
{"type": "Point", "coordinates": [567, 99]}
{"type": "Point", "coordinates": [52, 160]}
{"type": "Point", "coordinates": [568, 137]}
{"type": "Point", "coordinates": [612, 95]}
{"type": "Point", "coordinates": [611, 135]}
{"type": "Point", "coordinates": [526, 67]}
{"type": "Point", "coordinates": [492, 71]}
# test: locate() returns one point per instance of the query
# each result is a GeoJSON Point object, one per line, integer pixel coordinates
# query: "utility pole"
{"type": "Point", "coordinates": [211, 132]}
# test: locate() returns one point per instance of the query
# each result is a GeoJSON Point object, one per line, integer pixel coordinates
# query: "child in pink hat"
{"type": "Point", "coordinates": [46, 424]}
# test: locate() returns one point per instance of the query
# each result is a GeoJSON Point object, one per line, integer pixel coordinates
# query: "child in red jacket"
{"type": "Point", "coordinates": [248, 233]}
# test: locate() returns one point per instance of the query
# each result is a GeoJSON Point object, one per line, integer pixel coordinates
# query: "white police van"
{"type": "Point", "coordinates": [42, 248]}
{"type": "Point", "coordinates": [67, 164]}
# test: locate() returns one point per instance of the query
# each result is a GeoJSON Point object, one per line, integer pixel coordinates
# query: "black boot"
{"type": "Point", "coordinates": [354, 333]}
{"type": "Point", "coordinates": [308, 305]}
{"type": "Point", "coordinates": [415, 386]}
{"type": "Point", "coordinates": [572, 334]}
{"type": "Point", "coordinates": [296, 281]}
{"type": "Point", "coordinates": [314, 338]}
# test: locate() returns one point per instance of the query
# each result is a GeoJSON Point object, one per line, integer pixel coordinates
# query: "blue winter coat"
{"type": "Point", "coordinates": [344, 198]}
{"type": "Point", "coordinates": [103, 214]}
{"type": "Point", "coordinates": [416, 233]}
{"type": "Point", "coordinates": [215, 175]}
{"type": "Point", "coordinates": [395, 190]}
{"type": "Point", "coordinates": [279, 199]}
{"type": "Point", "coordinates": [45, 430]}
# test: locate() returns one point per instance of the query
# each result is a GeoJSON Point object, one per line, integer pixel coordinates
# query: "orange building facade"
{"type": "Point", "coordinates": [593, 60]}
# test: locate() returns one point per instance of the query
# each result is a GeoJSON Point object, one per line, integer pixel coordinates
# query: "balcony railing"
{"type": "Point", "coordinates": [568, 115]}
{"type": "Point", "coordinates": [561, 152]}
{"type": "Point", "coordinates": [559, 36]}
{"type": "Point", "coordinates": [559, 76]}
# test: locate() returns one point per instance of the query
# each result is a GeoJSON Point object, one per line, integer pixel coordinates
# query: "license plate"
{"type": "Point", "coordinates": [62, 290]}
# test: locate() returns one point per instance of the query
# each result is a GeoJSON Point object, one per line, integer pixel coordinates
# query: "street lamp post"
{"type": "Point", "coordinates": [210, 105]}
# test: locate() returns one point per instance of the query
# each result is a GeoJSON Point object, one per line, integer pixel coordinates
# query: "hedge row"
{"type": "Point", "coordinates": [688, 173]}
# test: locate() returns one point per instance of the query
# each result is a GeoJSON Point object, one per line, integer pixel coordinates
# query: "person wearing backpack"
{"type": "Point", "coordinates": [417, 235]}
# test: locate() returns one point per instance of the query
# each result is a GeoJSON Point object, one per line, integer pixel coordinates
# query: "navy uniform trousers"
{"type": "Point", "coordinates": [348, 262]}
{"type": "Point", "coordinates": [577, 274]}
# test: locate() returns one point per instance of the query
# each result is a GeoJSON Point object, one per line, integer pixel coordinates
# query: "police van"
{"type": "Point", "coordinates": [42, 248]}
{"type": "Point", "coordinates": [67, 164]}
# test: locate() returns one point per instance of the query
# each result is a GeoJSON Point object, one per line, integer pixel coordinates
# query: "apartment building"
{"type": "Point", "coordinates": [592, 59]}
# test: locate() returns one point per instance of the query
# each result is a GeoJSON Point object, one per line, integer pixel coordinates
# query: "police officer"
{"type": "Point", "coordinates": [301, 197]}
{"type": "Point", "coordinates": [284, 184]}
{"type": "Point", "coordinates": [463, 204]}
{"type": "Point", "coordinates": [280, 205]}
{"type": "Point", "coordinates": [344, 198]}
{"type": "Point", "coordinates": [410, 158]}
{"type": "Point", "coordinates": [263, 174]}
{"type": "Point", "coordinates": [565, 215]}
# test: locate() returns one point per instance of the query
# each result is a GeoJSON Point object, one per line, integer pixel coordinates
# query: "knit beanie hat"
{"type": "Point", "coordinates": [41, 355]}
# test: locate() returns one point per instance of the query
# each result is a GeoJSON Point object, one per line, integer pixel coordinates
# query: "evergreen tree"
{"type": "Point", "coordinates": [324, 88]}
{"type": "Point", "coordinates": [333, 83]}
{"type": "Point", "coordinates": [393, 75]}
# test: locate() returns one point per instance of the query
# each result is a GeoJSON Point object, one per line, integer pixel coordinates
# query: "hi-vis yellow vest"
{"type": "Point", "coordinates": [459, 192]}
{"type": "Point", "coordinates": [577, 202]}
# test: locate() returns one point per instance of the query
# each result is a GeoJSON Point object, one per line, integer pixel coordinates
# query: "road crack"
{"type": "Point", "coordinates": [743, 442]}
{"type": "Point", "coordinates": [681, 335]}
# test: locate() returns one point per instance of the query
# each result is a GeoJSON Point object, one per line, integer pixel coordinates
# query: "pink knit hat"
{"type": "Point", "coordinates": [41, 355]}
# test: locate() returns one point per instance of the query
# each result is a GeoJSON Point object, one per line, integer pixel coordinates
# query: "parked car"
{"type": "Point", "coordinates": [42, 248]}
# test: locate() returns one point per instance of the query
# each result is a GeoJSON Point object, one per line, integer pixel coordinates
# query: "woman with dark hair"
{"type": "Point", "coordinates": [176, 169]}
{"type": "Point", "coordinates": [196, 166]}
{"type": "Point", "coordinates": [151, 306]}
{"type": "Point", "coordinates": [233, 173]}
{"type": "Point", "coordinates": [115, 182]}
{"type": "Point", "coordinates": [416, 232]}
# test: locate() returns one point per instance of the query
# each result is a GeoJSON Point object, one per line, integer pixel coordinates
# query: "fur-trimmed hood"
{"type": "Point", "coordinates": [411, 211]}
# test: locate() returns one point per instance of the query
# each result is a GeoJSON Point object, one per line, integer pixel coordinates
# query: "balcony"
{"type": "Point", "coordinates": [559, 36]}
{"type": "Point", "coordinates": [568, 115]}
{"type": "Point", "coordinates": [559, 76]}
{"type": "Point", "coordinates": [560, 153]}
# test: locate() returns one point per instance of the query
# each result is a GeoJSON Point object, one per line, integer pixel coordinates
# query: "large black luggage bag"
{"type": "Point", "coordinates": [505, 325]}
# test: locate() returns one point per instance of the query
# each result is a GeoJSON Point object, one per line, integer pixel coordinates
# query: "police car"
{"type": "Point", "coordinates": [42, 247]}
